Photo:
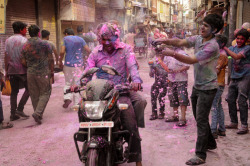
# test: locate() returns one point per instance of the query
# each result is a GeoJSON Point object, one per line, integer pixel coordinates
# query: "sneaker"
{"type": "Point", "coordinates": [22, 114]}
{"type": "Point", "coordinates": [195, 161]}
{"type": "Point", "coordinates": [161, 115]}
{"type": "Point", "coordinates": [232, 126]}
{"type": "Point", "coordinates": [37, 118]}
{"type": "Point", "coordinates": [66, 103]}
{"type": "Point", "coordinates": [14, 117]}
{"type": "Point", "coordinates": [153, 117]}
{"type": "Point", "coordinates": [243, 129]}
{"type": "Point", "coordinates": [172, 119]}
{"type": "Point", "coordinates": [211, 147]}
{"type": "Point", "coordinates": [215, 135]}
{"type": "Point", "coordinates": [221, 133]}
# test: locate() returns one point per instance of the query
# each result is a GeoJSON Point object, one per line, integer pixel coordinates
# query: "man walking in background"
{"type": "Point", "coordinates": [37, 56]}
{"type": "Point", "coordinates": [72, 48]}
{"type": "Point", "coordinates": [15, 71]}
{"type": "Point", "coordinates": [87, 39]}
{"type": "Point", "coordinates": [91, 35]}
{"type": "Point", "coordinates": [45, 36]}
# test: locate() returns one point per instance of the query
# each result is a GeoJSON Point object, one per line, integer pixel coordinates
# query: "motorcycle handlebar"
{"type": "Point", "coordinates": [117, 87]}
{"type": "Point", "coordinates": [126, 87]}
{"type": "Point", "coordinates": [76, 90]}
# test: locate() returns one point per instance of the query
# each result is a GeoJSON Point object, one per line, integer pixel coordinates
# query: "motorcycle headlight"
{"type": "Point", "coordinates": [75, 108]}
{"type": "Point", "coordinates": [123, 106]}
{"type": "Point", "coordinates": [94, 109]}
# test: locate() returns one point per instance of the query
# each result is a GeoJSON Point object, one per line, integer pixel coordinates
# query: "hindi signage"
{"type": "Point", "coordinates": [2, 16]}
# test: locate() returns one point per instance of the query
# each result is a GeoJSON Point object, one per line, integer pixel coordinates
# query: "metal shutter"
{"type": "Point", "coordinates": [246, 11]}
{"type": "Point", "coordinates": [49, 19]}
{"type": "Point", "coordinates": [21, 10]}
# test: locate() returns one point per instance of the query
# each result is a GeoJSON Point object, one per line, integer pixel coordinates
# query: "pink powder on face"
{"type": "Point", "coordinates": [110, 29]}
{"type": "Point", "coordinates": [192, 150]}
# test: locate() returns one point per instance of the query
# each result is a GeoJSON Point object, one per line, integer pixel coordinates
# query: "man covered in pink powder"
{"type": "Point", "coordinates": [119, 55]}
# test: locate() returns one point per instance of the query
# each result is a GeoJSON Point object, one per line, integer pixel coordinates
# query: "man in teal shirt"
{"type": "Point", "coordinates": [73, 63]}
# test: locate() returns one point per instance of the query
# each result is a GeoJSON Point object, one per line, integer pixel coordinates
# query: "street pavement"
{"type": "Point", "coordinates": [163, 144]}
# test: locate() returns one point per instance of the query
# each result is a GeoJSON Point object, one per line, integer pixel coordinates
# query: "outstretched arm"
{"type": "Point", "coordinates": [180, 57]}
{"type": "Point", "coordinates": [173, 42]}
{"type": "Point", "coordinates": [184, 68]}
{"type": "Point", "coordinates": [233, 55]}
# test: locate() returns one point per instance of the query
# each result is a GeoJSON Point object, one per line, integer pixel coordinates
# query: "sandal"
{"type": "Point", "coordinates": [6, 125]}
{"type": "Point", "coordinates": [153, 117]}
{"type": "Point", "coordinates": [182, 123]}
{"type": "Point", "coordinates": [172, 119]}
{"type": "Point", "coordinates": [195, 161]}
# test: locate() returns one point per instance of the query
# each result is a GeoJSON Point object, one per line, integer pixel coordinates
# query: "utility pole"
{"type": "Point", "coordinates": [182, 15]}
{"type": "Point", "coordinates": [170, 14]}
{"type": "Point", "coordinates": [232, 23]}
{"type": "Point", "coordinates": [148, 6]}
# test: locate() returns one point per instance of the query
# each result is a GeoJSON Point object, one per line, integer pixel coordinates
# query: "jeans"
{"type": "Point", "coordinates": [139, 105]}
{"type": "Point", "coordinates": [239, 89]}
{"type": "Point", "coordinates": [201, 104]}
{"type": "Point", "coordinates": [40, 90]}
{"type": "Point", "coordinates": [129, 123]}
{"type": "Point", "coordinates": [71, 75]}
{"type": "Point", "coordinates": [159, 90]}
{"type": "Point", "coordinates": [218, 112]}
{"type": "Point", "coordinates": [1, 112]}
{"type": "Point", "coordinates": [15, 82]}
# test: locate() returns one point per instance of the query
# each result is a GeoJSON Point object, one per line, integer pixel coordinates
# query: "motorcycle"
{"type": "Point", "coordinates": [140, 47]}
{"type": "Point", "coordinates": [100, 129]}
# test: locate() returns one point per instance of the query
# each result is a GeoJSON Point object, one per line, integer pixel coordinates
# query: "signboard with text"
{"type": "Point", "coordinates": [77, 10]}
{"type": "Point", "coordinates": [2, 16]}
{"type": "Point", "coordinates": [174, 18]}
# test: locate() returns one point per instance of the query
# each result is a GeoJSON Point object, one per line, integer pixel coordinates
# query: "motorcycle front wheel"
{"type": "Point", "coordinates": [95, 158]}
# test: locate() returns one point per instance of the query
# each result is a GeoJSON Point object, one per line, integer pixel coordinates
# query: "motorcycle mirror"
{"type": "Point", "coordinates": [110, 70]}
{"type": "Point", "coordinates": [90, 72]}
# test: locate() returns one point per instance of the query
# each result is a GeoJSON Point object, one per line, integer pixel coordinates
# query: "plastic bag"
{"type": "Point", "coordinates": [7, 89]}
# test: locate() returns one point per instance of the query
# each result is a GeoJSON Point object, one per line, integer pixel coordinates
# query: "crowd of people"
{"type": "Point", "coordinates": [30, 63]}
{"type": "Point", "coordinates": [210, 61]}
{"type": "Point", "coordinates": [212, 56]}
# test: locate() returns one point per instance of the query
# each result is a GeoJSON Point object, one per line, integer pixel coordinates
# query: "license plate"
{"type": "Point", "coordinates": [96, 124]}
